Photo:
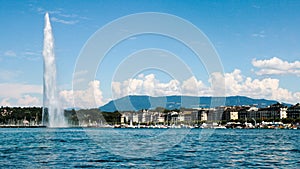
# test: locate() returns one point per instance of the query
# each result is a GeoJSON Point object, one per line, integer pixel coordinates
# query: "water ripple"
{"type": "Point", "coordinates": [65, 148]}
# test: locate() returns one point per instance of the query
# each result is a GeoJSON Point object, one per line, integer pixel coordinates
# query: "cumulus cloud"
{"type": "Point", "coordinates": [87, 98]}
{"type": "Point", "coordinates": [28, 100]}
{"type": "Point", "coordinates": [194, 87]}
{"type": "Point", "coordinates": [269, 88]}
{"type": "Point", "coordinates": [149, 85]}
{"type": "Point", "coordinates": [16, 90]}
{"type": "Point", "coordinates": [276, 66]}
{"type": "Point", "coordinates": [30, 95]}
{"type": "Point", "coordinates": [145, 85]}
{"type": "Point", "coordinates": [232, 83]}
{"type": "Point", "coordinates": [16, 94]}
{"type": "Point", "coordinates": [5, 102]}
{"type": "Point", "coordinates": [22, 101]}
{"type": "Point", "coordinates": [228, 84]}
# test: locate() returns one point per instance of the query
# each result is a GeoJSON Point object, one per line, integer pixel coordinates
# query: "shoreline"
{"type": "Point", "coordinates": [136, 127]}
{"type": "Point", "coordinates": [14, 126]}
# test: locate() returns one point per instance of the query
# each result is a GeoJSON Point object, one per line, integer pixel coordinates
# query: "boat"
{"type": "Point", "coordinates": [219, 127]}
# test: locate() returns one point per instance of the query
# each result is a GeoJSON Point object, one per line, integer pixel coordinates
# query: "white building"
{"type": "Point", "coordinates": [283, 113]}
{"type": "Point", "coordinates": [234, 115]}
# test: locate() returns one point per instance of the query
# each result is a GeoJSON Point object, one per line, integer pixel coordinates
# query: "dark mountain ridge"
{"type": "Point", "coordinates": [139, 102]}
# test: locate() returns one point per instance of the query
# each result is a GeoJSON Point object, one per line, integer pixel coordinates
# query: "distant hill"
{"type": "Point", "coordinates": [134, 103]}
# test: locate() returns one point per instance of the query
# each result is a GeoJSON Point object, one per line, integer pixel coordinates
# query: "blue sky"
{"type": "Point", "coordinates": [257, 42]}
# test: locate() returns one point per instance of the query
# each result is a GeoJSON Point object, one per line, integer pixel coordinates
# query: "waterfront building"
{"type": "Point", "coordinates": [215, 114]}
{"type": "Point", "coordinates": [160, 118]}
{"type": "Point", "coordinates": [230, 113]}
{"type": "Point", "coordinates": [283, 112]}
{"type": "Point", "coordinates": [123, 119]}
{"type": "Point", "coordinates": [275, 111]}
{"type": "Point", "coordinates": [140, 117]}
{"type": "Point", "coordinates": [203, 114]}
{"type": "Point", "coordinates": [293, 112]}
{"type": "Point", "coordinates": [187, 116]}
{"type": "Point", "coordinates": [253, 113]}
{"type": "Point", "coordinates": [127, 117]}
{"type": "Point", "coordinates": [143, 116]}
{"type": "Point", "coordinates": [174, 117]}
{"type": "Point", "coordinates": [135, 117]}
{"type": "Point", "coordinates": [248, 112]}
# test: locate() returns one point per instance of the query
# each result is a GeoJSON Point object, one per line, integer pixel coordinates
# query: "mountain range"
{"type": "Point", "coordinates": [138, 102]}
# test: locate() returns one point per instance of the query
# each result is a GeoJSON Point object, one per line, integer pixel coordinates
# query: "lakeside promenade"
{"type": "Point", "coordinates": [229, 125]}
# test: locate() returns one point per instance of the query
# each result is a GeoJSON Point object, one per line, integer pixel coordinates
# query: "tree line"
{"type": "Point", "coordinates": [33, 115]}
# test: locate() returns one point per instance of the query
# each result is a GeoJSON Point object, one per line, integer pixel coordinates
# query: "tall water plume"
{"type": "Point", "coordinates": [53, 114]}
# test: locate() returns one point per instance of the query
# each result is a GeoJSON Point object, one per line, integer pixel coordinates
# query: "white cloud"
{"type": "Point", "coordinates": [145, 85]}
{"type": "Point", "coordinates": [276, 66]}
{"type": "Point", "coordinates": [217, 81]}
{"type": "Point", "coordinates": [22, 101]}
{"type": "Point", "coordinates": [7, 75]}
{"type": "Point", "coordinates": [58, 13]}
{"type": "Point", "coordinates": [268, 88]}
{"type": "Point", "coordinates": [27, 54]}
{"type": "Point", "coordinates": [16, 90]}
{"type": "Point", "coordinates": [40, 10]}
{"type": "Point", "coordinates": [15, 94]}
{"type": "Point", "coordinates": [5, 102]}
{"type": "Point", "coordinates": [260, 34]}
{"type": "Point", "coordinates": [67, 22]}
{"type": "Point", "coordinates": [43, 11]}
{"type": "Point", "coordinates": [88, 98]}
{"type": "Point", "coordinates": [32, 55]}
{"type": "Point", "coordinates": [256, 6]}
{"type": "Point", "coordinates": [193, 87]}
{"type": "Point", "coordinates": [28, 100]}
{"type": "Point", "coordinates": [10, 53]}
{"type": "Point", "coordinates": [235, 84]}
{"type": "Point", "coordinates": [68, 15]}
{"type": "Point", "coordinates": [296, 96]}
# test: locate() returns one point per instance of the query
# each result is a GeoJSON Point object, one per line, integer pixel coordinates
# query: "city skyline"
{"type": "Point", "coordinates": [256, 43]}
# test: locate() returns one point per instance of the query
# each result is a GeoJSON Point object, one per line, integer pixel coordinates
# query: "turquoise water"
{"type": "Point", "coordinates": [131, 148]}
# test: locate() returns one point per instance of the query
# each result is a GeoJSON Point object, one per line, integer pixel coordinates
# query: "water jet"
{"type": "Point", "coordinates": [53, 114]}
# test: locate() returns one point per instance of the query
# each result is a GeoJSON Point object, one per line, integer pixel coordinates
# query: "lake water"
{"type": "Point", "coordinates": [148, 148]}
